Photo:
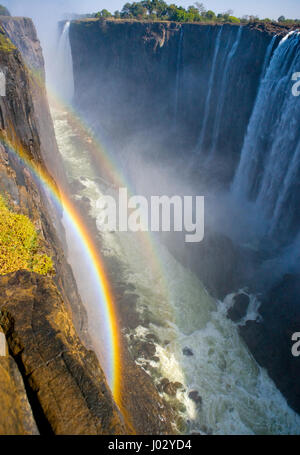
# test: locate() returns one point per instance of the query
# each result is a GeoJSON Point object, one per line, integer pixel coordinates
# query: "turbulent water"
{"type": "Point", "coordinates": [237, 395]}
{"type": "Point", "coordinates": [269, 169]}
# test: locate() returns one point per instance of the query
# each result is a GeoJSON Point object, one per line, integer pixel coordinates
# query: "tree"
{"type": "Point", "coordinates": [105, 14]}
{"type": "Point", "coordinates": [117, 14]}
{"type": "Point", "coordinates": [193, 14]}
{"type": "Point", "coordinates": [233, 20]}
{"type": "Point", "coordinates": [126, 11]}
{"type": "Point", "coordinates": [4, 11]}
{"type": "Point", "coordinates": [281, 19]}
{"type": "Point", "coordinates": [253, 18]}
{"type": "Point", "coordinates": [210, 15]}
{"type": "Point", "coordinates": [200, 7]}
{"type": "Point", "coordinates": [138, 10]}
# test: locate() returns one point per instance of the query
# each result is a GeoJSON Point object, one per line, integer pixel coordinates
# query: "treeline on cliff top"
{"type": "Point", "coordinates": [160, 10]}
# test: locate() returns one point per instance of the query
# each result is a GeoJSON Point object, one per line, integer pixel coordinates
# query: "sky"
{"type": "Point", "coordinates": [263, 8]}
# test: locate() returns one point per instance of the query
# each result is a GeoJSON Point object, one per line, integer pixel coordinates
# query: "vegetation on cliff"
{"type": "Point", "coordinates": [19, 244]}
{"type": "Point", "coordinates": [5, 44]}
{"type": "Point", "coordinates": [160, 10]}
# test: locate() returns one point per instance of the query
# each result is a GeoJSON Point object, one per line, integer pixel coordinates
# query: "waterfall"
{"type": "Point", "coordinates": [179, 58]}
{"type": "Point", "coordinates": [221, 101]}
{"type": "Point", "coordinates": [268, 172]}
{"type": "Point", "coordinates": [209, 93]}
{"type": "Point", "coordinates": [268, 55]}
{"type": "Point", "coordinates": [65, 79]}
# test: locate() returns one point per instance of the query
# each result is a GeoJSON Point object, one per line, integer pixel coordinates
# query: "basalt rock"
{"type": "Point", "coordinates": [194, 395]}
{"type": "Point", "coordinates": [68, 387]}
{"type": "Point", "coordinates": [239, 308]}
{"type": "Point", "coordinates": [270, 340]}
{"type": "Point", "coordinates": [26, 122]}
{"type": "Point", "coordinates": [16, 415]}
{"type": "Point", "coordinates": [187, 352]}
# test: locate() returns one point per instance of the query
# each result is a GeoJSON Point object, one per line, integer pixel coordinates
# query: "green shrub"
{"type": "Point", "coordinates": [234, 20]}
{"type": "Point", "coordinates": [5, 44]}
{"type": "Point", "coordinates": [19, 244]}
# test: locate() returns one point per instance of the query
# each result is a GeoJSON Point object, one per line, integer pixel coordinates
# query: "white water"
{"type": "Point", "coordinates": [238, 396]}
{"type": "Point", "coordinates": [269, 167]}
{"type": "Point", "coordinates": [210, 88]}
{"type": "Point", "coordinates": [177, 83]}
{"type": "Point", "coordinates": [64, 67]}
{"type": "Point", "coordinates": [222, 91]}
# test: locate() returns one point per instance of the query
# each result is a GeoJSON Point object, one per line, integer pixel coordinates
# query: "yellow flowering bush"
{"type": "Point", "coordinates": [19, 244]}
{"type": "Point", "coordinates": [5, 44]}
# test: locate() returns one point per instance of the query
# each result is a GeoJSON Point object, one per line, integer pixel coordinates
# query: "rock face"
{"type": "Point", "coordinates": [43, 318]}
{"type": "Point", "coordinates": [239, 308]}
{"type": "Point", "coordinates": [21, 112]}
{"type": "Point", "coordinates": [270, 341]}
{"type": "Point", "coordinates": [16, 415]}
{"type": "Point", "coordinates": [67, 385]}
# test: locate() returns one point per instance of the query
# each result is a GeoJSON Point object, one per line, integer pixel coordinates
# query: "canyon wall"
{"type": "Point", "coordinates": [136, 77]}
{"type": "Point", "coordinates": [201, 97]}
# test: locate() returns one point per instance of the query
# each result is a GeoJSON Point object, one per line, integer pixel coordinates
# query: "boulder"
{"type": "Point", "coordinates": [239, 309]}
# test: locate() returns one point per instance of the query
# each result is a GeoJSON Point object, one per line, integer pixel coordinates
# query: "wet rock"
{"type": "Point", "coordinates": [16, 415]}
{"type": "Point", "coordinates": [144, 349]}
{"type": "Point", "coordinates": [206, 430]}
{"type": "Point", "coordinates": [239, 309]}
{"type": "Point", "coordinates": [194, 395]}
{"type": "Point", "coordinates": [187, 352]}
{"type": "Point", "coordinates": [76, 186]}
{"type": "Point", "coordinates": [169, 388]}
{"type": "Point", "coordinates": [128, 310]}
{"type": "Point", "coordinates": [270, 340]}
{"type": "Point", "coordinates": [64, 378]}
{"type": "Point", "coordinates": [152, 337]}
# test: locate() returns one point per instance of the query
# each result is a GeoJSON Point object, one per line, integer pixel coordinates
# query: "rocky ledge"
{"type": "Point", "coordinates": [66, 386]}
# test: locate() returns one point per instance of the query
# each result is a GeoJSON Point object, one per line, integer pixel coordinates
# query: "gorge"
{"type": "Point", "coordinates": [189, 339]}
{"type": "Point", "coordinates": [214, 105]}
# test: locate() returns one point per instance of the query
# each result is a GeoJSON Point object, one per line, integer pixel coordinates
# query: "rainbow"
{"type": "Point", "coordinates": [104, 162]}
{"type": "Point", "coordinates": [110, 320]}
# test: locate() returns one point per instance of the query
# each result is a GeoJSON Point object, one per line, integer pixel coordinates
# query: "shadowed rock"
{"type": "Point", "coordinates": [16, 415]}
{"type": "Point", "coordinates": [240, 307]}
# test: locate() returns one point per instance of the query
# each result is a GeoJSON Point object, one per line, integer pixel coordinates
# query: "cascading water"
{"type": "Point", "coordinates": [64, 84]}
{"type": "Point", "coordinates": [177, 83]}
{"type": "Point", "coordinates": [222, 92]}
{"type": "Point", "coordinates": [269, 55]}
{"type": "Point", "coordinates": [269, 168]}
{"type": "Point", "coordinates": [210, 89]}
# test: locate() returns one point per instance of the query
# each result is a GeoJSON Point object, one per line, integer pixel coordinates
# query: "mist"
{"type": "Point", "coordinates": [46, 15]}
